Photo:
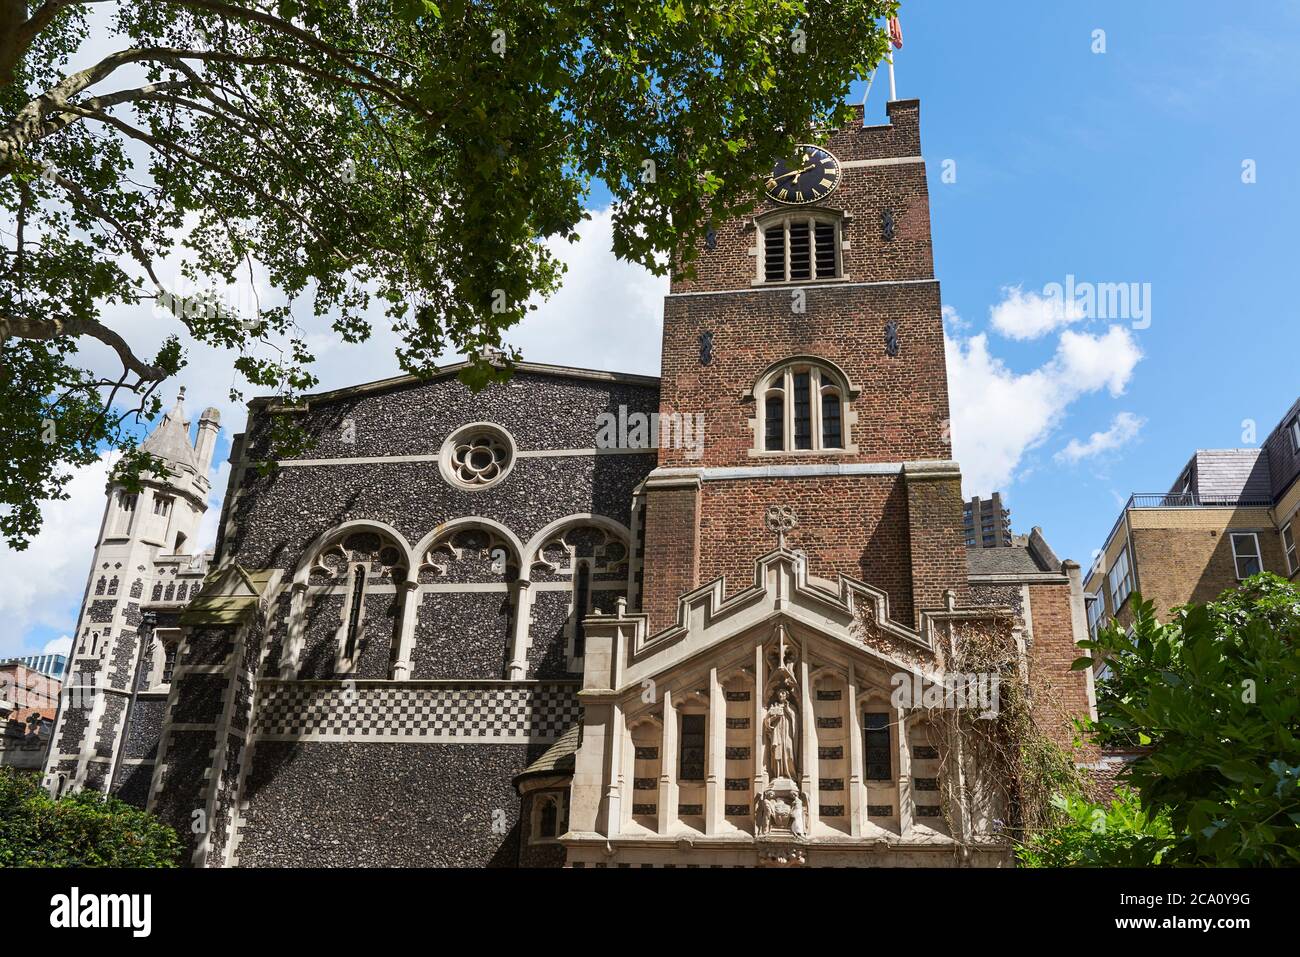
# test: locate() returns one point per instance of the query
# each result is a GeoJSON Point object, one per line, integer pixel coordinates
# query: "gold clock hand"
{"type": "Point", "coordinates": [793, 172]}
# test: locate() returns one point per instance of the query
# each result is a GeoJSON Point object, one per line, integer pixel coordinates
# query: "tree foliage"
{"type": "Point", "coordinates": [394, 161]}
{"type": "Point", "coordinates": [85, 829]}
{"type": "Point", "coordinates": [1087, 834]}
{"type": "Point", "coordinates": [1212, 699]}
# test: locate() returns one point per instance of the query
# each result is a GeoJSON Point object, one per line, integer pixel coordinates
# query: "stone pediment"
{"type": "Point", "coordinates": [848, 613]}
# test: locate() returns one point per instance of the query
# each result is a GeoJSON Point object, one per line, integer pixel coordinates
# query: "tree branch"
{"type": "Point", "coordinates": [43, 329]}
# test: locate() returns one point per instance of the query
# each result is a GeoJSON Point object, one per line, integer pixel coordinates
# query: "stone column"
{"type": "Point", "coordinates": [808, 773]}
{"type": "Point", "coordinates": [905, 809]}
{"type": "Point", "coordinates": [523, 602]}
{"type": "Point", "coordinates": [406, 632]}
{"type": "Point", "coordinates": [668, 768]}
{"type": "Point", "coordinates": [760, 766]}
{"type": "Point", "coordinates": [856, 786]}
{"type": "Point", "coordinates": [716, 775]}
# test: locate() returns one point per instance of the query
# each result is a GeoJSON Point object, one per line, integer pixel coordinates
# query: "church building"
{"type": "Point", "coordinates": [592, 619]}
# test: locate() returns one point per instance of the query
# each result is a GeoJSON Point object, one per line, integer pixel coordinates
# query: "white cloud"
{"type": "Point", "coordinates": [998, 414]}
{"type": "Point", "coordinates": [1123, 429]}
{"type": "Point", "coordinates": [608, 315]}
{"type": "Point", "coordinates": [208, 525]}
{"type": "Point", "coordinates": [43, 585]}
{"type": "Point", "coordinates": [1028, 315]}
{"type": "Point", "coordinates": [58, 646]}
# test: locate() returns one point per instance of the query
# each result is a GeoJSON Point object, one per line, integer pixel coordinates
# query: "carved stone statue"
{"type": "Point", "coordinates": [780, 734]}
{"type": "Point", "coordinates": [796, 815]}
{"type": "Point", "coordinates": [765, 811]}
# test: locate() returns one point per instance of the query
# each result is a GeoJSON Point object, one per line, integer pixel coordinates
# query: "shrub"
{"type": "Point", "coordinates": [86, 829]}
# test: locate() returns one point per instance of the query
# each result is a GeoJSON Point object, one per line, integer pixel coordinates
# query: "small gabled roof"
{"type": "Point", "coordinates": [229, 596]}
{"type": "Point", "coordinates": [559, 757]}
{"type": "Point", "coordinates": [170, 441]}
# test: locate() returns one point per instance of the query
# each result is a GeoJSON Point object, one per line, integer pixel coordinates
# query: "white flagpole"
{"type": "Point", "coordinates": [870, 80]}
{"type": "Point", "coordinates": [893, 87]}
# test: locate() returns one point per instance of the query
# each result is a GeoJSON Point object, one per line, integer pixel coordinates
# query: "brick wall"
{"type": "Point", "coordinates": [863, 195]}
{"type": "Point", "coordinates": [1059, 693]}
{"type": "Point", "coordinates": [1181, 565]}
{"type": "Point", "coordinates": [672, 547]}
{"type": "Point", "coordinates": [902, 405]}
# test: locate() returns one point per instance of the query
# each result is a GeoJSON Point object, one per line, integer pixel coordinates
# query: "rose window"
{"type": "Point", "coordinates": [477, 457]}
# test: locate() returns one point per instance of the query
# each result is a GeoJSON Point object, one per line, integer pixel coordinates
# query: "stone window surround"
{"type": "Point", "coordinates": [760, 225]}
{"type": "Point", "coordinates": [521, 589]}
{"type": "Point", "coordinates": [162, 638]}
{"type": "Point", "coordinates": [446, 456]}
{"type": "Point", "coordinates": [540, 799]}
{"type": "Point", "coordinates": [828, 377]}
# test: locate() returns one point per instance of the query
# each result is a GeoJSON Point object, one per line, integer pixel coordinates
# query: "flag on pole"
{"type": "Point", "coordinates": [896, 33]}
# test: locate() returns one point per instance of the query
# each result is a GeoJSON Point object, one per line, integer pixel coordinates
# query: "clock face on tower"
{"type": "Point", "coordinates": [811, 175]}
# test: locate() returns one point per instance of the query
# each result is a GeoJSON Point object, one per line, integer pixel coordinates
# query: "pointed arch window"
{"type": "Point", "coordinates": [800, 246]}
{"type": "Point", "coordinates": [355, 602]}
{"type": "Point", "coordinates": [803, 407]}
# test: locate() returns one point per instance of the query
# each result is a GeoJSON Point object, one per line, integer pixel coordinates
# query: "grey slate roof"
{"type": "Point", "coordinates": [1030, 555]}
{"type": "Point", "coordinates": [559, 757]}
{"type": "Point", "coordinates": [1229, 474]}
{"type": "Point", "coordinates": [171, 440]}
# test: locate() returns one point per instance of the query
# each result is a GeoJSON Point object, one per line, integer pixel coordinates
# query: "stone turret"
{"type": "Point", "coordinates": [144, 561]}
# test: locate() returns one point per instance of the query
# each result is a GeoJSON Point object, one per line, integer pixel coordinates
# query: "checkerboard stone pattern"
{"type": "Point", "coordinates": [448, 712]}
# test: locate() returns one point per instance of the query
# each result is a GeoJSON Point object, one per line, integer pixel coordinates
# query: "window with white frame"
{"type": "Point", "coordinates": [1120, 580]}
{"type": "Point", "coordinates": [1288, 546]}
{"type": "Point", "coordinates": [802, 409]}
{"type": "Point", "coordinates": [1096, 612]}
{"type": "Point", "coordinates": [1245, 554]}
{"type": "Point", "coordinates": [1294, 429]}
{"type": "Point", "coordinates": [800, 246]}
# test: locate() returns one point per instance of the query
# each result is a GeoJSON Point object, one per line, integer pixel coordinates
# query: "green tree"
{"type": "Point", "coordinates": [85, 829]}
{"type": "Point", "coordinates": [401, 161]}
{"type": "Point", "coordinates": [1213, 699]}
{"type": "Point", "coordinates": [1087, 834]}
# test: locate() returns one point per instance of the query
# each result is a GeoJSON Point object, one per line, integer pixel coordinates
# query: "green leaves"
{"type": "Point", "coordinates": [85, 829]}
{"type": "Point", "coordinates": [1212, 697]}
{"type": "Point", "coordinates": [1121, 834]}
{"type": "Point", "coordinates": [407, 162]}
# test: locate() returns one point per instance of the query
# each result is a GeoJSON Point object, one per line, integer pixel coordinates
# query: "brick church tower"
{"type": "Point", "coordinates": [811, 338]}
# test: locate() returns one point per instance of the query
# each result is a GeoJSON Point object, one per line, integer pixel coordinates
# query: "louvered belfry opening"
{"type": "Point", "coordinates": [800, 248]}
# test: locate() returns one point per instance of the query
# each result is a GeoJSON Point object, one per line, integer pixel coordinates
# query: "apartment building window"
{"type": "Point", "coordinates": [1245, 553]}
{"type": "Point", "coordinates": [1288, 546]}
{"type": "Point", "coordinates": [1294, 429]}
{"type": "Point", "coordinates": [1096, 612]}
{"type": "Point", "coordinates": [1120, 580]}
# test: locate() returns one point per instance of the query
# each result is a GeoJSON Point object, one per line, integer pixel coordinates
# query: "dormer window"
{"type": "Point", "coordinates": [800, 247]}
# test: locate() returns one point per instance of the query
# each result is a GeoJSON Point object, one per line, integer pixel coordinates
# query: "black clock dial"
{"type": "Point", "coordinates": [810, 175]}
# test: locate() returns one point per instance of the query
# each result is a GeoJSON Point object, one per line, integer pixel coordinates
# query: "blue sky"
{"type": "Point", "coordinates": [1124, 166]}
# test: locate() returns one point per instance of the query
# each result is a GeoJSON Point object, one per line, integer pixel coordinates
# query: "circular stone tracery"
{"type": "Point", "coordinates": [477, 456]}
